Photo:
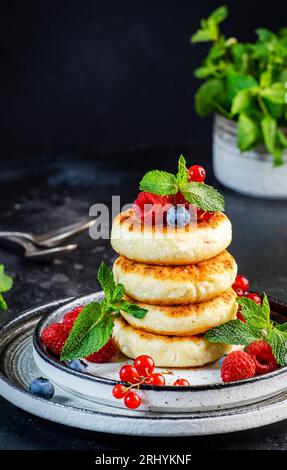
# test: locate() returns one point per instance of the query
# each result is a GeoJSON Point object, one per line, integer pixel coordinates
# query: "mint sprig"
{"type": "Point", "coordinates": [165, 184]}
{"type": "Point", "coordinates": [258, 326]}
{"type": "Point", "coordinates": [6, 283]}
{"type": "Point", "coordinates": [93, 327]}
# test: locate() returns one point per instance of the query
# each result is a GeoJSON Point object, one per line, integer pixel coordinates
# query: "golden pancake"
{"type": "Point", "coordinates": [185, 320]}
{"type": "Point", "coordinates": [168, 245]}
{"type": "Point", "coordinates": [167, 351]}
{"type": "Point", "coordinates": [169, 285]}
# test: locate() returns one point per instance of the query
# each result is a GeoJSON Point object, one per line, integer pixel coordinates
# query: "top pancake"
{"type": "Point", "coordinates": [167, 245]}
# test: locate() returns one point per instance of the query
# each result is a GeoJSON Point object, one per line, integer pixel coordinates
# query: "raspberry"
{"type": "Point", "coordinates": [153, 211]}
{"type": "Point", "coordinates": [54, 338]}
{"type": "Point", "coordinates": [105, 354]}
{"type": "Point", "coordinates": [238, 365]}
{"type": "Point", "coordinates": [262, 355]}
{"type": "Point", "coordinates": [70, 318]}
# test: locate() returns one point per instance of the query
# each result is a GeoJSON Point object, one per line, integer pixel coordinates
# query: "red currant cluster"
{"type": "Point", "coordinates": [141, 372]}
{"type": "Point", "coordinates": [241, 287]}
{"type": "Point", "coordinates": [159, 205]}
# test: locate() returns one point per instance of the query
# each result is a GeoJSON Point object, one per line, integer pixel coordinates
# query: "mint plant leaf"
{"type": "Point", "coordinates": [159, 182]}
{"type": "Point", "coordinates": [106, 279]}
{"type": "Point", "coordinates": [233, 332]}
{"type": "Point", "coordinates": [242, 101]}
{"type": "Point", "coordinates": [91, 331]}
{"type": "Point", "coordinates": [207, 95]}
{"type": "Point", "coordinates": [133, 309]}
{"type": "Point", "coordinates": [203, 196]}
{"type": "Point", "coordinates": [202, 35]}
{"type": "Point", "coordinates": [276, 93]}
{"type": "Point", "coordinates": [269, 130]}
{"type": "Point", "coordinates": [236, 81]}
{"type": "Point", "coordinates": [278, 342]}
{"type": "Point", "coordinates": [248, 132]}
{"type": "Point", "coordinates": [219, 14]}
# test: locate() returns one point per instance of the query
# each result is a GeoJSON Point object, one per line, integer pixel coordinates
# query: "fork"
{"type": "Point", "coordinates": [53, 238]}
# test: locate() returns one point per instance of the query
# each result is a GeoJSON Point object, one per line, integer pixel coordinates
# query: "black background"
{"type": "Point", "coordinates": [90, 75]}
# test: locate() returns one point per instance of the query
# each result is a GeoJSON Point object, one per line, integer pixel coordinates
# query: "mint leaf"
{"type": "Point", "coordinates": [278, 342]}
{"type": "Point", "coordinates": [248, 132]}
{"type": "Point", "coordinates": [219, 14]}
{"type": "Point", "coordinates": [242, 101]}
{"type": "Point", "coordinates": [255, 315]}
{"type": "Point", "coordinates": [269, 130]}
{"type": "Point", "coordinates": [207, 95]}
{"type": "Point", "coordinates": [6, 283]}
{"type": "Point", "coordinates": [276, 93]}
{"type": "Point", "coordinates": [233, 332]}
{"type": "Point", "coordinates": [118, 293]}
{"type": "Point", "coordinates": [133, 309]}
{"type": "Point", "coordinates": [236, 81]}
{"type": "Point", "coordinates": [106, 279]}
{"type": "Point", "coordinates": [203, 196]}
{"type": "Point", "coordinates": [3, 303]}
{"type": "Point", "coordinates": [91, 331]}
{"type": "Point", "coordinates": [159, 182]}
{"type": "Point", "coordinates": [182, 174]}
{"type": "Point", "coordinates": [202, 35]}
{"type": "Point", "coordinates": [281, 327]}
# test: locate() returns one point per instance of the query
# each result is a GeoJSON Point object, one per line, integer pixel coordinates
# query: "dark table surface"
{"type": "Point", "coordinates": [43, 192]}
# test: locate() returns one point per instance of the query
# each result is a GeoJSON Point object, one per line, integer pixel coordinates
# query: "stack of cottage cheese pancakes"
{"type": "Point", "coordinates": [183, 277]}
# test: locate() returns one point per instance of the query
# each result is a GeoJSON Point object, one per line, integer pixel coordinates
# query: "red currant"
{"type": "Point", "coordinates": [181, 383]}
{"type": "Point", "coordinates": [132, 400]}
{"type": "Point", "coordinates": [155, 379]}
{"type": "Point", "coordinates": [197, 173]}
{"type": "Point", "coordinates": [144, 365]}
{"type": "Point", "coordinates": [255, 297]}
{"type": "Point", "coordinates": [119, 391]}
{"type": "Point", "coordinates": [240, 285]}
{"type": "Point", "coordinates": [129, 374]}
{"type": "Point", "coordinates": [203, 215]}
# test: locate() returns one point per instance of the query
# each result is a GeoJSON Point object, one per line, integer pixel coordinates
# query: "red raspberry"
{"type": "Point", "coordinates": [240, 316]}
{"type": "Point", "coordinates": [105, 354]}
{"type": "Point", "coordinates": [179, 198]}
{"type": "Point", "coordinates": [54, 338]}
{"type": "Point", "coordinates": [154, 204]}
{"type": "Point", "coordinates": [70, 318]}
{"type": "Point", "coordinates": [262, 355]}
{"type": "Point", "coordinates": [238, 365]}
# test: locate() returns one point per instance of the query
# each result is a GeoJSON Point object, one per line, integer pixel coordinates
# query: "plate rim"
{"type": "Point", "coordinates": [39, 347]}
{"type": "Point", "coordinates": [21, 398]}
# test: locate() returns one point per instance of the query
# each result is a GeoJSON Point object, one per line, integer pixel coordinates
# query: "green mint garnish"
{"type": "Point", "coordinates": [258, 326]}
{"type": "Point", "coordinates": [165, 184]}
{"type": "Point", "coordinates": [6, 283]}
{"type": "Point", "coordinates": [93, 327]}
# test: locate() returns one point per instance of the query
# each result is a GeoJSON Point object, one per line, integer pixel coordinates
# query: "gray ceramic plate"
{"type": "Point", "coordinates": [18, 368]}
{"type": "Point", "coordinates": [207, 391]}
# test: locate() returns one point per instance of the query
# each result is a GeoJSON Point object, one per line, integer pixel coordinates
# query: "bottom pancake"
{"type": "Point", "coordinates": [167, 351]}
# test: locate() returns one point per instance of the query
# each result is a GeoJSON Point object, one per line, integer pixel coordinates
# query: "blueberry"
{"type": "Point", "coordinates": [177, 216]}
{"type": "Point", "coordinates": [42, 388]}
{"type": "Point", "coordinates": [78, 365]}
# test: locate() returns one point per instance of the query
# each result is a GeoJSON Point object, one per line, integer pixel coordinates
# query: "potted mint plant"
{"type": "Point", "coordinates": [245, 87]}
